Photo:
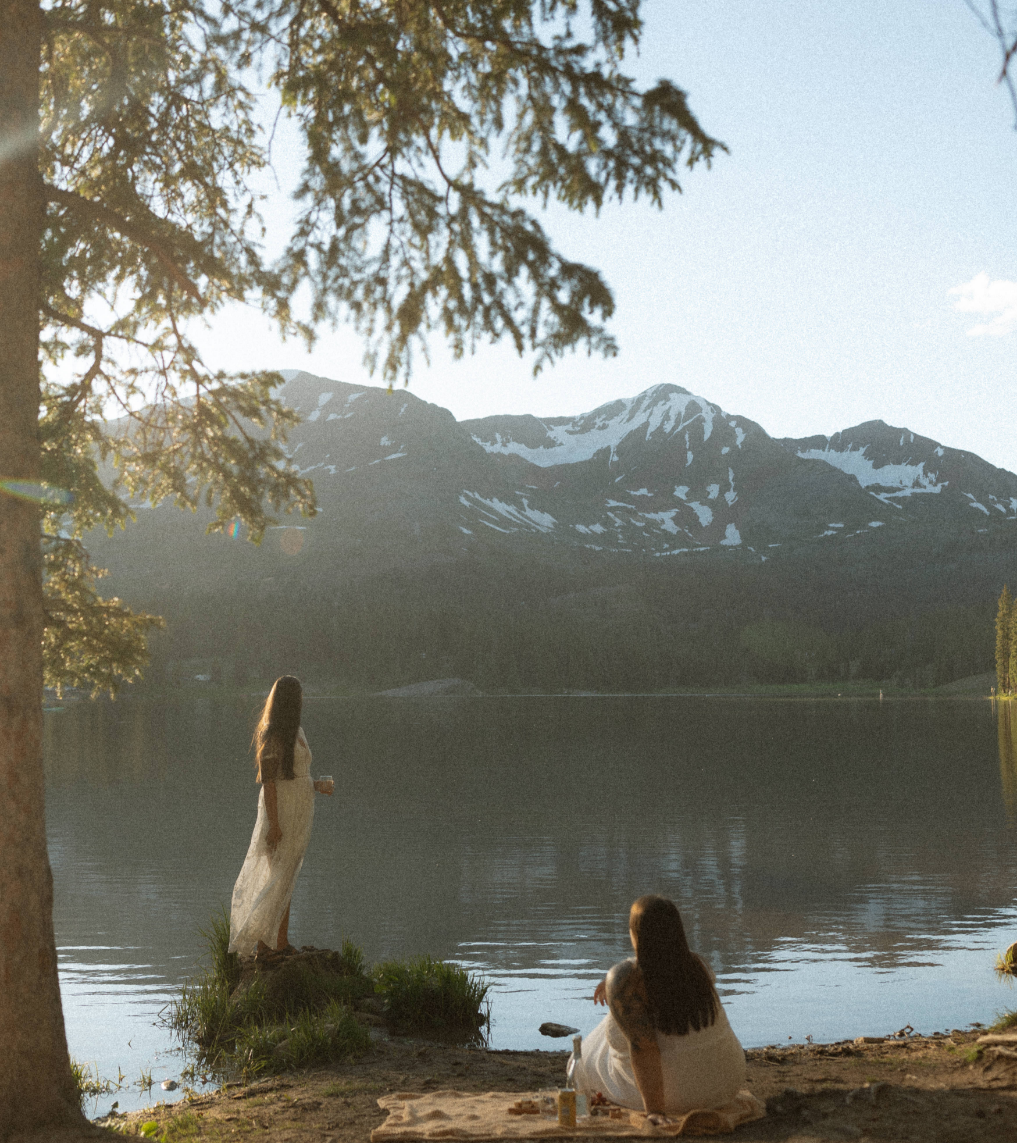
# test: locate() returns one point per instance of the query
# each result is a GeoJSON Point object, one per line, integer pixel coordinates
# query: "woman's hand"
{"type": "Point", "coordinates": [600, 992]}
{"type": "Point", "coordinates": [273, 837]}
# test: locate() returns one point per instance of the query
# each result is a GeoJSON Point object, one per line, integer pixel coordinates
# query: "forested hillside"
{"type": "Point", "coordinates": [656, 543]}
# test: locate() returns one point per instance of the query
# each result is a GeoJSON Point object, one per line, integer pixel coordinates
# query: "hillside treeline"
{"type": "Point", "coordinates": [519, 629]}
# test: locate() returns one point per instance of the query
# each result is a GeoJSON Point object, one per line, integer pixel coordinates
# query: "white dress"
{"type": "Point", "coordinates": [263, 890]}
{"type": "Point", "coordinates": [704, 1069]}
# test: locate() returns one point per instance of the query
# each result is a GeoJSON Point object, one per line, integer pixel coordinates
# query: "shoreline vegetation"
{"type": "Point", "coordinates": [276, 1011]}
{"type": "Point", "coordinates": [973, 687]}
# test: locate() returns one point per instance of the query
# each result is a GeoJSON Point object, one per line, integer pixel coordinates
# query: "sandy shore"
{"type": "Point", "coordinates": [930, 1090]}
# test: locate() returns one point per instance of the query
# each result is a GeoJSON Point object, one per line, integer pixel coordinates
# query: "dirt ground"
{"type": "Point", "coordinates": [940, 1090]}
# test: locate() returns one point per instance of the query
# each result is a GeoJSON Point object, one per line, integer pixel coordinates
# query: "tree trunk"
{"type": "Point", "coordinates": [37, 1094]}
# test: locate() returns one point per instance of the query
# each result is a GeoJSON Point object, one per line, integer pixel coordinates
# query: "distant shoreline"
{"type": "Point", "coordinates": [974, 687]}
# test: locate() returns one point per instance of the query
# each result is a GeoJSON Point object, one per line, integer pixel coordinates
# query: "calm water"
{"type": "Point", "coordinates": [847, 866]}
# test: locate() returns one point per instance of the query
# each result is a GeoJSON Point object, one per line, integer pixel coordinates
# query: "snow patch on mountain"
{"type": "Point", "coordinates": [906, 478]}
{"type": "Point", "coordinates": [665, 520]}
{"type": "Point", "coordinates": [581, 438]}
{"type": "Point", "coordinates": [323, 400]}
{"type": "Point", "coordinates": [732, 537]}
{"type": "Point", "coordinates": [527, 516]}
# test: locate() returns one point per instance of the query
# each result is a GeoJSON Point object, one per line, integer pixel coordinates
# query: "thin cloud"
{"type": "Point", "coordinates": [982, 296]}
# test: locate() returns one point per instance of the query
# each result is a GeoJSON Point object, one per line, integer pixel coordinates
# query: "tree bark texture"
{"type": "Point", "coordinates": [37, 1094]}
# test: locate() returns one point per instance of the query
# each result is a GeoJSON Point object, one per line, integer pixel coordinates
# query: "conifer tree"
{"type": "Point", "coordinates": [1011, 665]}
{"type": "Point", "coordinates": [130, 147]}
{"type": "Point", "coordinates": [1004, 640]}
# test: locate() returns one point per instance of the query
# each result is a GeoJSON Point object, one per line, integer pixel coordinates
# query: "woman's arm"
{"type": "Point", "coordinates": [626, 997]}
{"type": "Point", "coordinates": [274, 835]}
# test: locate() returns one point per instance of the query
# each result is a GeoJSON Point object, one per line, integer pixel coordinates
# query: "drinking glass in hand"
{"type": "Point", "coordinates": [327, 784]}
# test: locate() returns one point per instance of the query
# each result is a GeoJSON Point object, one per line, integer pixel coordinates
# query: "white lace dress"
{"type": "Point", "coordinates": [265, 885]}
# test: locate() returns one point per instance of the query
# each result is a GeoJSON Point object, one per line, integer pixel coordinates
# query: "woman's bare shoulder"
{"type": "Point", "coordinates": [625, 974]}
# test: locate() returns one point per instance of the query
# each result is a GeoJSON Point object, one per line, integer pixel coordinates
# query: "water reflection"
{"type": "Point", "coordinates": [1007, 758]}
{"type": "Point", "coordinates": [841, 864]}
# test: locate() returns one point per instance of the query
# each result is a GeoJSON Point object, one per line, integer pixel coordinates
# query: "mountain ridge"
{"type": "Point", "coordinates": [609, 527]}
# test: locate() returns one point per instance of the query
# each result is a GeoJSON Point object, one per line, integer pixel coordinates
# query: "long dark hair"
{"type": "Point", "coordinates": [678, 986]}
{"type": "Point", "coordinates": [279, 723]}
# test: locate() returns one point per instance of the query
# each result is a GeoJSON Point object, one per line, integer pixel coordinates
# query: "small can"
{"type": "Point", "coordinates": [567, 1107]}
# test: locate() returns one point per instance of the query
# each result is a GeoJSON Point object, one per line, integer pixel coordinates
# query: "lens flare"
{"type": "Point", "coordinates": [233, 529]}
{"type": "Point", "coordinates": [35, 491]}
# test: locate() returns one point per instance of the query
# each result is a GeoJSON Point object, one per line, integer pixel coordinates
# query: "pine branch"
{"type": "Point", "coordinates": [132, 230]}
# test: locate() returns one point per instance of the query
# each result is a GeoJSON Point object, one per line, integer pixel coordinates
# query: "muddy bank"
{"type": "Point", "coordinates": [926, 1089]}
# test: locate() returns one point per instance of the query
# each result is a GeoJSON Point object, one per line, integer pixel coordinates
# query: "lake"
{"type": "Point", "coordinates": [847, 866]}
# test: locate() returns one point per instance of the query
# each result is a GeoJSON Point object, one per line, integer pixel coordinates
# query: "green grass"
{"type": "Point", "coordinates": [88, 1081]}
{"type": "Point", "coordinates": [1006, 964]}
{"type": "Point", "coordinates": [331, 1035]}
{"type": "Point", "coordinates": [291, 1018]}
{"type": "Point", "coordinates": [301, 1014]}
{"type": "Point", "coordinates": [1005, 1022]}
{"type": "Point", "coordinates": [425, 994]}
{"type": "Point", "coordinates": [184, 1126]}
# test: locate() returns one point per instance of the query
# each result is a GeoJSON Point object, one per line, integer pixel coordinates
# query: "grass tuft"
{"type": "Point", "coordinates": [432, 995]}
{"type": "Point", "coordinates": [300, 1013]}
{"type": "Point", "coordinates": [224, 965]}
{"type": "Point", "coordinates": [1006, 965]}
{"type": "Point", "coordinates": [88, 1081]}
{"type": "Point", "coordinates": [311, 1038]}
{"type": "Point", "coordinates": [1005, 1022]}
{"type": "Point", "coordinates": [297, 1015]}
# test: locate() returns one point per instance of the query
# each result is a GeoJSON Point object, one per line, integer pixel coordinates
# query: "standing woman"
{"type": "Point", "coordinates": [665, 1046]}
{"type": "Point", "coordinates": [260, 913]}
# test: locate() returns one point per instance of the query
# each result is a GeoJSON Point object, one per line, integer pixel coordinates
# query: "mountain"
{"type": "Point", "coordinates": [661, 473]}
{"type": "Point", "coordinates": [505, 523]}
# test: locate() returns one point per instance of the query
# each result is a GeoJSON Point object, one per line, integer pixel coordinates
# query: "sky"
{"type": "Point", "coordinates": [853, 258]}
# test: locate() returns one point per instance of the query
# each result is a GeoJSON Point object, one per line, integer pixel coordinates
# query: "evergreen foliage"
{"type": "Point", "coordinates": [1011, 673]}
{"type": "Point", "coordinates": [1004, 641]}
{"type": "Point", "coordinates": [623, 627]}
{"type": "Point", "coordinates": [426, 128]}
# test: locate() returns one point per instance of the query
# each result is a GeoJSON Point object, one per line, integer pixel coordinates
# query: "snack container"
{"type": "Point", "coordinates": [567, 1107]}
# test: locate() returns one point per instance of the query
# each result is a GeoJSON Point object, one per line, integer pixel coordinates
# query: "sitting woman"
{"type": "Point", "coordinates": [666, 1045]}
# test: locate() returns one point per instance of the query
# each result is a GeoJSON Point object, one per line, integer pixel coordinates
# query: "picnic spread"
{"type": "Point", "coordinates": [464, 1115]}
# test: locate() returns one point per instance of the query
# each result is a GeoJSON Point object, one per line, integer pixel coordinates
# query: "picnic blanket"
{"type": "Point", "coordinates": [472, 1115]}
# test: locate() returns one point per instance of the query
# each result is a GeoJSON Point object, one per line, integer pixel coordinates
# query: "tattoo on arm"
{"type": "Point", "coordinates": [626, 997]}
